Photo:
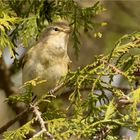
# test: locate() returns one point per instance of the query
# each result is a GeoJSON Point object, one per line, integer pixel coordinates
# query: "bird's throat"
{"type": "Point", "coordinates": [58, 45]}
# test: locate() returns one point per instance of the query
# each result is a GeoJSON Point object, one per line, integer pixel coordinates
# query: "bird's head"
{"type": "Point", "coordinates": [57, 29]}
{"type": "Point", "coordinates": [56, 36]}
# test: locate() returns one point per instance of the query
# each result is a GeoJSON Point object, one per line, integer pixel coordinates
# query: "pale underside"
{"type": "Point", "coordinates": [46, 64]}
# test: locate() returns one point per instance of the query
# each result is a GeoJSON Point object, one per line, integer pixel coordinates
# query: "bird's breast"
{"type": "Point", "coordinates": [52, 75]}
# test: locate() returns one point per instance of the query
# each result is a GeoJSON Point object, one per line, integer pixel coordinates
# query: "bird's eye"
{"type": "Point", "coordinates": [56, 29]}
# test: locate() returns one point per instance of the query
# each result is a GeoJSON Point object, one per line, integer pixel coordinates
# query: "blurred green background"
{"type": "Point", "coordinates": [122, 17]}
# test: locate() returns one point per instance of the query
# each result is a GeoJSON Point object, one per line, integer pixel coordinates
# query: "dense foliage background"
{"type": "Point", "coordinates": [102, 95]}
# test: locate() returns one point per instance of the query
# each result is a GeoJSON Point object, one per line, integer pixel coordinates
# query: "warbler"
{"type": "Point", "coordinates": [48, 60]}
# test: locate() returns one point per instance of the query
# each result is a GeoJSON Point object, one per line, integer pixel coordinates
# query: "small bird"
{"type": "Point", "coordinates": [48, 59]}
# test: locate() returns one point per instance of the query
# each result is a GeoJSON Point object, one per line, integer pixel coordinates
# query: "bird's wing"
{"type": "Point", "coordinates": [68, 59]}
{"type": "Point", "coordinates": [69, 62]}
{"type": "Point", "coordinates": [26, 57]}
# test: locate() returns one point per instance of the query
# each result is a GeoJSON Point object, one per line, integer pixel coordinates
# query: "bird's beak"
{"type": "Point", "coordinates": [68, 30]}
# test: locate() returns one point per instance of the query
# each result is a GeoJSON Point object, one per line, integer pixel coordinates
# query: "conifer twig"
{"type": "Point", "coordinates": [113, 67]}
{"type": "Point", "coordinates": [42, 123]}
{"type": "Point", "coordinates": [51, 92]}
{"type": "Point", "coordinates": [102, 134]}
{"type": "Point", "coordinates": [20, 115]}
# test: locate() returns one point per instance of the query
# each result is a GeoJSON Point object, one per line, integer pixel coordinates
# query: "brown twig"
{"type": "Point", "coordinates": [102, 133]}
{"type": "Point", "coordinates": [42, 123]}
{"type": "Point", "coordinates": [11, 122]}
{"type": "Point", "coordinates": [113, 67]}
{"type": "Point", "coordinates": [51, 92]}
{"type": "Point", "coordinates": [20, 115]}
{"type": "Point", "coordinates": [57, 88]}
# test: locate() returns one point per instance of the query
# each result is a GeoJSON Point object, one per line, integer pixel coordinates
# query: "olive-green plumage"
{"type": "Point", "coordinates": [48, 59]}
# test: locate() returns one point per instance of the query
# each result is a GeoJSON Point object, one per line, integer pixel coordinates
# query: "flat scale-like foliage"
{"type": "Point", "coordinates": [96, 108]}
